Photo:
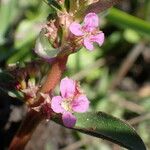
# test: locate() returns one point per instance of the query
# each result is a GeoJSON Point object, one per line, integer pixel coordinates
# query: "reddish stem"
{"type": "Point", "coordinates": [26, 130]}
{"type": "Point", "coordinates": [53, 77]}
{"type": "Point", "coordinates": [33, 118]}
{"type": "Point", "coordinates": [55, 74]}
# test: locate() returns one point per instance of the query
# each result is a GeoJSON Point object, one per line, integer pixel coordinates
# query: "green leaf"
{"type": "Point", "coordinates": [125, 20]}
{"type": "Point", "coordinates": [105, 126]}
{"type": "Point", "coordinates": [43, 47]}
{"type": "Point", "coordinates": [67, 5]}
{"type": "Point", "coordinates": [7, 85]}
{"type": "Point", "coordinates": [8, 12]}
{"type": "Point", "coordinates": [25, 33]}
{"type": "Point", "coordinates": [131, 36]}
{"type": "Point", "coordinates": [54, 4]}
{"type": "Point", "coordinates": [5, 77]}
{"type": "Point", "coordinates": [15, 94]}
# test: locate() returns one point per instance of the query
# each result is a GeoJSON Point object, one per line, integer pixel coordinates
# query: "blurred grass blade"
{"type": "Point", "coordinates": [125, 20]}
{"type": "Point", "coordinates": [8, 11]}
{"type": "Point", "coordinates": [5, 77]}
{"type": "Point", "coordinates": [110, 128]}
{"type": "Point", "coordinates": [54, 3]}
{"type": "Point", "coordinates": [7, 83]}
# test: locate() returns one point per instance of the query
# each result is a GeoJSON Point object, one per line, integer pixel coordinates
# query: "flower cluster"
{"type": "Point", "coordinates": [72, 100]}
{"type": "Point", "coordinates": [48, 45]}
{"type": "Point", "coordinates": [88, 32]}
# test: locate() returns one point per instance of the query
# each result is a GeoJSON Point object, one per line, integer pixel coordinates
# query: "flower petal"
{"type": "Point", "coordinates": [88, 44]}
{"type": "Point", "coordinates": [56, 104]}
{"type": "Point", "coordinates": [91, 21]}
{"type": "Point", "coordinates": [99, 38]}
{"type": "Point", "coordinates": [76, 29]}
{"type": "Point", "coordinates": [80, 104]}
{"type": "Point", "coordinates": [69, 120]}
{"type": "Point", "coordinates": [67, 87]}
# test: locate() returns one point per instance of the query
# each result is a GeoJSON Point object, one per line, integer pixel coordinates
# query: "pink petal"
{"type": "Point", "coordinates": [67, 87]}
{"type": "Point", "coordinates": [56, 104]}
{"type": "Point", "coordinates": [69, 120]}
{"type": "Point", "coordinates": [80, 104]}
{"type": "Point", "coordinates": [88, 44]}
{"type": "Point", "coordinates": [76, 29]}
{"type": "Point", "coordinates": [91, 21]}
{"type": "Point", "coordinates": [99, 38]}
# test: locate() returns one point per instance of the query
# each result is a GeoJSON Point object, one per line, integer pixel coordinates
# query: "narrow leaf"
{"type": "Point", "coordinates": [125, 20]}
{"type": "Point", "coordinates": [5, 78]}
{"type": "Point", "coordinates": [44, 49]}
{"type": "Point", "coordinates": [102, 125]}
{"type": "Point", "coordinates": [8, 13]}
{"type": "Point", "coordinates": [7, 85]}
{"type": "Point", "coordinates": [101, 5]}
{"type": "Point", "coordinates": [54, 4]}
{"type": "Point", "coordinates": [107, 127]}
{"type": "Point", "coordinates": [67, 5]}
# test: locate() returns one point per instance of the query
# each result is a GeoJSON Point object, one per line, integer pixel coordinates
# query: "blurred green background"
{"type": "Point", "coordinates": [116, 76]}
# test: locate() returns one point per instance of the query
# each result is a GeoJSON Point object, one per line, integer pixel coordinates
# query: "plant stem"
{"type": "Point", "coordinates": [33, 118]}
{"type": "Point", "coordinates": [54, 75]}
{"type": "Point", "coordinates": [26, 130]}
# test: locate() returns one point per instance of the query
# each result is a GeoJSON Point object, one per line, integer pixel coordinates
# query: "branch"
{"type": "Point", "coordinates": [33, 118]}
{"type": "Point", "coordinates": [26, 130]}
{"type": "Point", "coordinates": [54, 75]}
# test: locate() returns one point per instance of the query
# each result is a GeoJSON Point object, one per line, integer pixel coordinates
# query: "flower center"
{"type": "Point", "coordinates": [66, 104]}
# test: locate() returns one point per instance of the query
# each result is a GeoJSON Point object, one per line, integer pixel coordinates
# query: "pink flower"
{"type": "Point", "coordinates": [88, 31]}
{"type": "Point", "coordinates": [71, 100]}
